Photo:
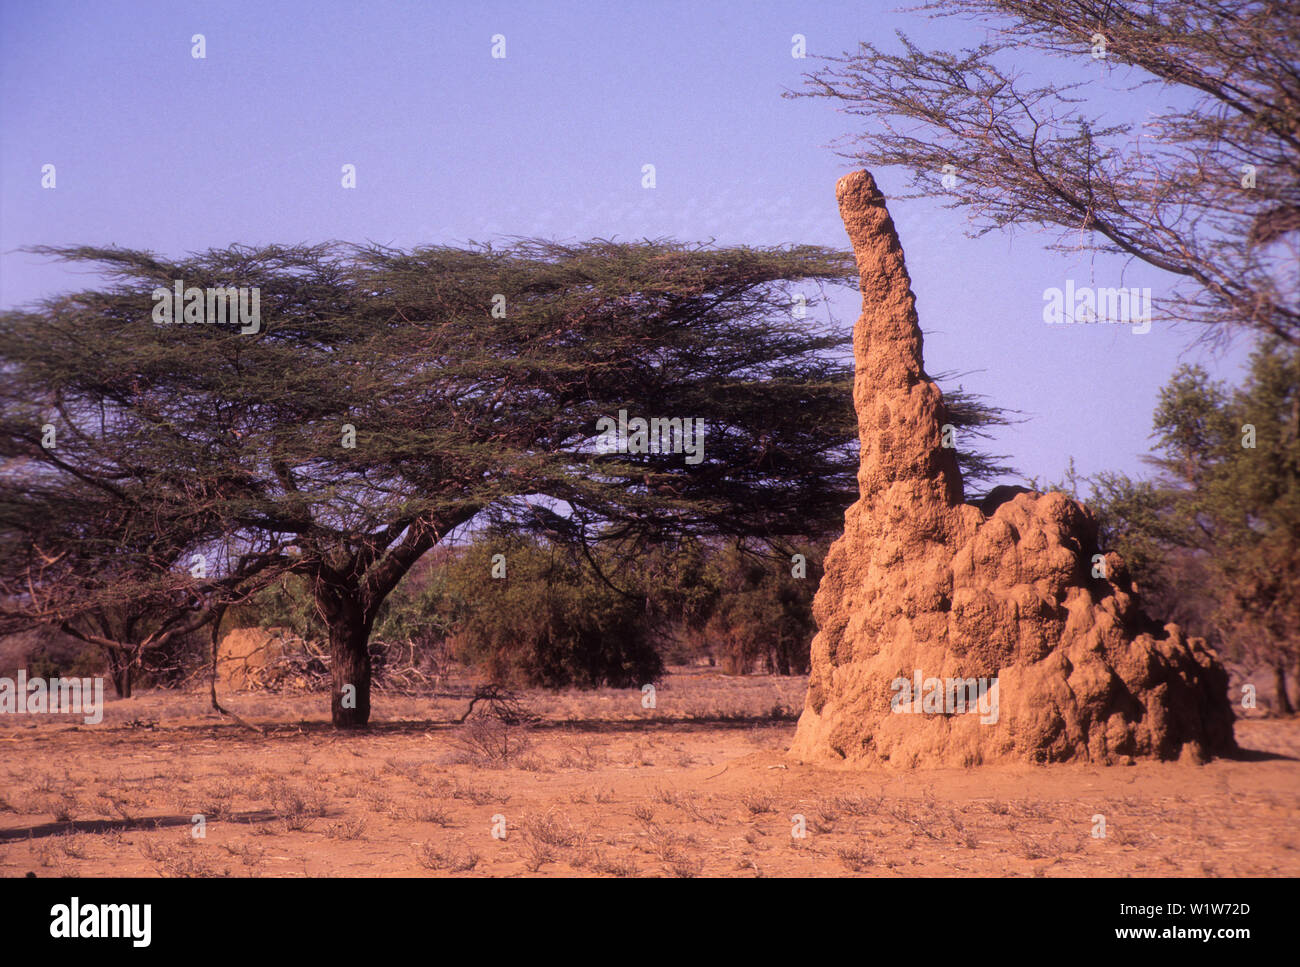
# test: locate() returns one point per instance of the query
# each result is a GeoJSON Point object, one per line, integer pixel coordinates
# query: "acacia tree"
{"type": "Point", "coordinates": [387, 398]}
{"type": "Point", "coordinates": [390, 397]}
{"type": "Point", "coordinates": [1208, 191]}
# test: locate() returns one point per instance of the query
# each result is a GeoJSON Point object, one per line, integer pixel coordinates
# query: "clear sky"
{"type": "Point", "coordinates": [156, 149]}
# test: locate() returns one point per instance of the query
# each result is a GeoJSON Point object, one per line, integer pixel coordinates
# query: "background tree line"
{"type": "Point", "coordinates": [1213, 538]}
{"type": "Point", "coordinates": [551, 619]}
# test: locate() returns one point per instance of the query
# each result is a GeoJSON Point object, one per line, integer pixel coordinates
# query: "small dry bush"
{"type": "Point", "coordinates": [686, 867]}
{"type": "Point", "coordinates": [296, 807]}
{"type": "Point", "coordinates": [429, 812]}
{"type": "Point", "coordinates": [185, 859]}
{"type": "Point", "coordinates": [216, 801]}
{"type": "Point", "coordinates": [348, 829]}
{"type": "Point", "coordinates": [537, 854]}
{"type": "Point", "coordinates": [250, 854]}
{"type": "Point", "coordinates": [433, 857]}
{"type": "Point", "coordinates": [489, 742]}
{"type": "Point", "coordinates": [857, 805]}
{"type": "Point", "coordinates": [667, 845]}
{"type": "Point", "coordinates": [545, 836]}
{"type": "Point", "coordinates": [857, 858]}
{"type": "Point", "coordinates": [552, 831]}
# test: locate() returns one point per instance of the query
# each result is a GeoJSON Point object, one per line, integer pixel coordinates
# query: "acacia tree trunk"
{"type": "Point", "coordinates": [342, 607]}
{"type": "Point", "coordinates": [1284, 706]}
{"type": "Point", "coordinates": [119, 670]}
{"type": "Point", "coordinates": [350, 674]}
{"type": "Point", "coordinates": [348, 595]}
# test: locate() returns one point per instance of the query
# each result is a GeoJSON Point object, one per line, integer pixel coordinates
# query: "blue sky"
{"type": "Point", "coordinates": [156, 149]}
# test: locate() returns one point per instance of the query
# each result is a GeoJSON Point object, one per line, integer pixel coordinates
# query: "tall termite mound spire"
{"type": "Point", "coordinates": [954, 634]}
{"type": "Point", "coordinates": [900, 412]}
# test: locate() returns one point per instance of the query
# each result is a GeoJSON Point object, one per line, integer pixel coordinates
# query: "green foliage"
{"type": "Point", "coordinates": [86, 662]}
{"type": "Point", "coordinates": [762, 614]}
{"type": "Point", "coordinates": [549, 621]}
{"type": "Point", "coordinates": [1133, 519]}
{"type": "Point", "coordinates": [1241, 503]}
{"type": "Point", "coordinates": [1223, 520]}
{"type": "Point", "coordinates": [554, 621]}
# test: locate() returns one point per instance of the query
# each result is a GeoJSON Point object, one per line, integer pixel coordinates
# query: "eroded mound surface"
{"type": "Point", "coordinates": [955, 634]}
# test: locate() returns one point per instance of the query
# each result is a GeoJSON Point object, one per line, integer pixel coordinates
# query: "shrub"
{"type": "Point", "coordinates": [550, 621]}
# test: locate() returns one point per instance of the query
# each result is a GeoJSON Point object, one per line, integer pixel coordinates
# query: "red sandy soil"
{"type": "Point", "coordinates": [699, 786]}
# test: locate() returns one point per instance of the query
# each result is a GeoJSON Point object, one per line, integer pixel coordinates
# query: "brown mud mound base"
{"type": "Point", "coordinates": [1025, 643]}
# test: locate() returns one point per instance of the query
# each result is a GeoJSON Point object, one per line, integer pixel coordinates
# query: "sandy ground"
{"type": "Point", "coordinates": [698, 786]}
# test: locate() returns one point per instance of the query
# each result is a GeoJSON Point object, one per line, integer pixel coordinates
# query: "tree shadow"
{"type": "Point", "coordinates": [124, 825]}
{"type": "Point", "coordinates": [697, 723]}
{"type": "Point", "coordinates": [1256, 755]}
